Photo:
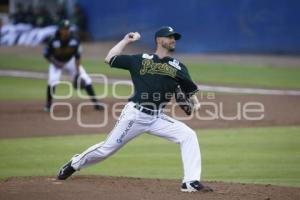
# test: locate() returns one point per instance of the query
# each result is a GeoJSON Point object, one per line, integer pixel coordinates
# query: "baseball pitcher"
{"type": "Point", "coordinates": [156, 77]}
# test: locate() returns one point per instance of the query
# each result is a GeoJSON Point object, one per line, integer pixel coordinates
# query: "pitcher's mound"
{"type": "Point", "coordinates": [107, 188]}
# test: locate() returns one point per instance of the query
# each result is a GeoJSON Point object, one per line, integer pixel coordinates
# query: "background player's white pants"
{"type": "Point", "coordinates": [131, 124]}
{"type": "Point", "coordinates": [70, 67]}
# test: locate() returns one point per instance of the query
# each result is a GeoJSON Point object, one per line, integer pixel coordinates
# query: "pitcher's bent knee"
{"type": "Point", "coordinates": [189, 134]}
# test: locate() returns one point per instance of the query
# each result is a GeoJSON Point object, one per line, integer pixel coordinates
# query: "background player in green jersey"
{"type": "Point", "coordinates": [64, 53]}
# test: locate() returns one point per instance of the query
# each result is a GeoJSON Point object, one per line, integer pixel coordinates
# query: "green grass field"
{"type": "Point", "coordinates": [241, 75]}
{"type": "Point", "coordinates": [34, 89]}
{"type": "Point", "coordinates": [250, 155]}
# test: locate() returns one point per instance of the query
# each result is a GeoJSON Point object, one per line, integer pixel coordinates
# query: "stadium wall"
{"type": "Point", "coordinates": [250, 26]}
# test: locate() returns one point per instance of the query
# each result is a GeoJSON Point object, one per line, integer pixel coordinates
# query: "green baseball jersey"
{"type": "Point", "coordinates": [61, 50]}
{"type": "Point", "coordinates": [155, 79]}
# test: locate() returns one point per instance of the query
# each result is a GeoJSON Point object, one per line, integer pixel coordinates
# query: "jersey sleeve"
{"type": "Point", "coordinates": [78, 52]}
{"type": "Point", "coordinates": [78, 48]}
{"type": "Point", "coordinates": [48, 50]}
{"type": "Point", "coordinates": [75, 43]}
{"type": "Point", "coordinates": [186, 83]}
{"type": "Point", "coordinates": [121, 61]}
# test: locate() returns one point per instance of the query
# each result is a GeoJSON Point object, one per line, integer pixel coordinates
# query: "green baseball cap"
{"type": "Point", "coordinates": [166, 31]}
{"type": "Point", "coordinates": [64, 24]}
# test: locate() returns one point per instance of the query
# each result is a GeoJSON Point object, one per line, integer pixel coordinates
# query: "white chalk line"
{"type": "Point", "coordinates": [208, 88]}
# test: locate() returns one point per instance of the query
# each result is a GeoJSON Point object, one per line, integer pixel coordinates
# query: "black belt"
{"type": "Point", "coordinates": [146, 110]}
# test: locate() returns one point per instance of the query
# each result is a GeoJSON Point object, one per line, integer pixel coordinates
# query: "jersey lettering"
{"type": "Point", "coordinates": [148, 66]}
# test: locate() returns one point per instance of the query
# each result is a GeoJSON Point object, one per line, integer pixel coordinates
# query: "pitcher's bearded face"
{"type": "Point", "coordinates": [168, 43]}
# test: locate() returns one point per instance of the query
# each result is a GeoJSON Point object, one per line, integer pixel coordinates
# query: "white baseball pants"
{"type": "Point", "coordinates": [133, 123]}
{"type": "Point", "coordinates": [54, 73]}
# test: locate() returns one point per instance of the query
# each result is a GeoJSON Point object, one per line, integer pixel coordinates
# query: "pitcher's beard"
{"type": "Point", "coordinates": [168, 47]}
{"type": "Point", "coordinates": [171, 50]}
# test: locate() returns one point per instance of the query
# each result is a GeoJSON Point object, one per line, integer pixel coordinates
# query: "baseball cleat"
{"type": "Point", "coordinates": [99, 106]}
{"type": "Point", "coordinates": [47, 108]}
{"type": "Point", "coordinates": [66, 171]}
{"type": "Point", "coordinates": [195, 186]}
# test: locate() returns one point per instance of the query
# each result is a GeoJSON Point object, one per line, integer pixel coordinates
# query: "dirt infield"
{"type": "Point", "coordinates": [97, 187]}
{"type": "Point", "coordinates": [27, 118]}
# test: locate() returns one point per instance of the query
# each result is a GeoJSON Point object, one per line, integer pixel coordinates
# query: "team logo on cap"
{"type": "Point", "coordinates": [171, 29]}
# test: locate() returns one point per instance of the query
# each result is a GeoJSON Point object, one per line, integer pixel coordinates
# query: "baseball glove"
{"type": "Point", "coordinates": [78, 83]}
{"type": "Point", "coordinates": [183, 101]}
